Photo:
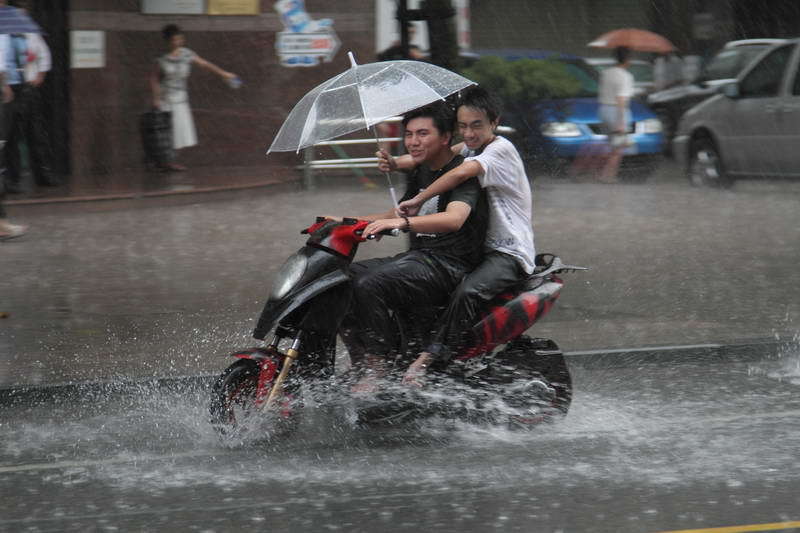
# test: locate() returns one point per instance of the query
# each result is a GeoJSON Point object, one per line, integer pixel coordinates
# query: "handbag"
{"type": "Point", "coordinates": [156, 130]}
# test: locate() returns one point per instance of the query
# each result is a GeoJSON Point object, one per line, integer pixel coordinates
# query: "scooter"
{"type": "Point", "coordinates": [524, 383]}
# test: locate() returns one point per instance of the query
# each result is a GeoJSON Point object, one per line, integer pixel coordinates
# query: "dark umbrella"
{"type": "Point", "coordinates": [13, 20]}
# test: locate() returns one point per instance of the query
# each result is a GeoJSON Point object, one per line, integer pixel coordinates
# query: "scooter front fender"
{"type": "Point", "coordinates": [275, 311]}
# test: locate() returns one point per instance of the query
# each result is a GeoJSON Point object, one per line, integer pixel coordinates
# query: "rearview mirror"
{"type": "Point", "coordinates": [731, 90]}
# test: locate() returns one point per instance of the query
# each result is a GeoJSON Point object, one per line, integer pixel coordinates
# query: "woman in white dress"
{"type": "Point", "coordinates": [168, 84]}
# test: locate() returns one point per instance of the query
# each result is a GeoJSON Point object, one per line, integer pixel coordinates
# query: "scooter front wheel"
{"type": "Point", "coordinates": [237, 399]}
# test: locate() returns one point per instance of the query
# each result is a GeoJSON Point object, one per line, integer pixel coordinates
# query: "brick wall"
{"type": "Point", "coordinates": [234, 127]}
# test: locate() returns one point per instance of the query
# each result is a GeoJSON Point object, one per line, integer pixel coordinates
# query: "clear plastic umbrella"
{"type": "Point", "coordinates": [361, 97]}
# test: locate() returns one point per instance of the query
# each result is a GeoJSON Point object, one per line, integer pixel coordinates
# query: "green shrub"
{"type": "Point", "coordinates": [523, 81]}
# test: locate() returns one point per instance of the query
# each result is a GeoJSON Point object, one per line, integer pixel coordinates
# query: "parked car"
{"type": "Point", "coordinates": [750, 128]}
{"type": "Point", "coordinates": [642, 73]}
{"type": "Point", "coordinates": [670, 104]}
{"type": "Point", "coordinates": [551, 133]}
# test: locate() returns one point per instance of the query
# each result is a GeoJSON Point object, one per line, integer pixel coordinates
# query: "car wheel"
{"type": "Point", "coordinates": [705, 166]}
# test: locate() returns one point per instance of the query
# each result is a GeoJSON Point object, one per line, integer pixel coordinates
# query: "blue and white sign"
{"type": "Point", "coordinates": [304, 41]}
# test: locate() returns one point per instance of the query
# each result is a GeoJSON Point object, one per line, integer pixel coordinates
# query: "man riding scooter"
{"type": "Point", "coordinates": [447, 236]}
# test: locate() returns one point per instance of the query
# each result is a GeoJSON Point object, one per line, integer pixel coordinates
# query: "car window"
{"type": "Point", "coordinates": [765, 78]}
{"type": "Point", "coordinates": [796, 86]}
{"type": "Point", "coordinates": [641, 72]}
{"type": "Point", "coordinates": [586, 76]}
{"type": "Point", "coordinates": [729, 63]}
{"type": "Point", "coordinates": [722, 66]}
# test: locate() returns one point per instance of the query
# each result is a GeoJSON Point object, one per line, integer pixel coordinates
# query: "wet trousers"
{"type": "Point", "coordinates": [495, 274]}
{"type": "Point", "coordinates": [381, 287]}
{"type": "Point", "coordinates": [25, 120]}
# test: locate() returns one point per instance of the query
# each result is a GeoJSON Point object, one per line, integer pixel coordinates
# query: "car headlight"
{"type": "Point", "coordinates": [650, 125]}
{"type": "Point", "coordinates": [561, 129]}
{"type": "Point", "coordinates": [288, 275]}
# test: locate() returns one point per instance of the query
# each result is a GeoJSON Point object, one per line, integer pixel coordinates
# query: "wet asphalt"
{"type": "Point", "coordinates": [682, 342]}
{"type": "Point", "coordinates": [162, 289]}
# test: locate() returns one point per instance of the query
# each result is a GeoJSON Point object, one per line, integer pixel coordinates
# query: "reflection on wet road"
{"type": "Point", "coordinates": [644, 448]}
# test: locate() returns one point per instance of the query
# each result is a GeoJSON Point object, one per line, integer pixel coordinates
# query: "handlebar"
{"type": "Point", "coordinates": [391, 232]}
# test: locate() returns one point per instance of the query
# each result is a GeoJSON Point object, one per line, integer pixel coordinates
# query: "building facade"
{"type": "Point", "coordinates": [93, 111]}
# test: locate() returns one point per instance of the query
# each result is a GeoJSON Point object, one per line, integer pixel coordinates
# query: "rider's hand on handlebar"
{"type": "Point", "coordinates": [409, 208]}
{"type": "Point", "coordinates": [377, 226]}
{"type": "Point", "coordinates": [386, 162]}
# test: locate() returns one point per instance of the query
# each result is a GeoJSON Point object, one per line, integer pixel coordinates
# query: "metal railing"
{"type": "Point", "coordinates": [310, 164]}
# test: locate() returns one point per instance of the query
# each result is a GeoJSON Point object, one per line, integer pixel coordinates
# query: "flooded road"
{"type": "Point", "coordinates": [647, 447]}
{"type": "Point", "coordinates": [687, 442]}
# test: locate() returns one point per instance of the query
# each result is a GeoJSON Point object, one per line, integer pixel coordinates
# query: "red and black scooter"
{"type": "Point", "coordinates": [525, 382]}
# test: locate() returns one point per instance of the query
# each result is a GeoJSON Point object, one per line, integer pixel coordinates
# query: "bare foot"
{"type": "Point", "coordinates": [11, 231]}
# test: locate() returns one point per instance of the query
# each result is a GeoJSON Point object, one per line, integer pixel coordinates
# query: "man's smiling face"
{"type": "Point", "coordinates": [423, 141]}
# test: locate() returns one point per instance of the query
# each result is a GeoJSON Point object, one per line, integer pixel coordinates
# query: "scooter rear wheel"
{"type": "Point", "coordinates": [541, 377]}
{"type": "Point", "coordinates": [235, 411]}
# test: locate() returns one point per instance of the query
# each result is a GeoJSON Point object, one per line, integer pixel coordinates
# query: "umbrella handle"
{"type": "Point", "coordinates": [394, 196]}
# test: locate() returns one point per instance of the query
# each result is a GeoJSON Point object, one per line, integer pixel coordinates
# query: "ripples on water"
{"type": "Point", "coordinates": [651, 425]}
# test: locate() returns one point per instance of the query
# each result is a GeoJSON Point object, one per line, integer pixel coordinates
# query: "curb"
{"type": "Point", "coordinates": [750, 350]}
{"type": "Point", "coordinates": [145, 195]}
{"type": "Point", "coordinates": [94, 390]}
{"type": "Point", "coordinates": [744, 351]}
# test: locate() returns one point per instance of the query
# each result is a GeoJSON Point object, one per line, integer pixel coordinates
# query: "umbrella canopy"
{"type": "Point", "coordinates": [361, 97]}
{"type": "Point", "coordinates": [635, 39]}
{"type": "Point", "coordinates": [13, 20]}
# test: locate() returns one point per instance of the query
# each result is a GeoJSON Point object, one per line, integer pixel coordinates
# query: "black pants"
{"type": "Point", "coordinates": [495, 274]}
{"type": "Point", "coordinates": [24, 120]}
{"type": "Point", "coordinates": [417, 278]}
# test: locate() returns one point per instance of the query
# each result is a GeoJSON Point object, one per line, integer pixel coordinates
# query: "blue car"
{"type": "Point", "coordinates": [551, 133]}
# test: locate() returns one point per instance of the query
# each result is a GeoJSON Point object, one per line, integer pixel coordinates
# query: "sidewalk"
{"type": "Point", "coordinates": [143, 184]}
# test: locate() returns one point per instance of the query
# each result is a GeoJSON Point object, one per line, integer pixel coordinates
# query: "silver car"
{"type": "Point", "coordinates": [751, 128]}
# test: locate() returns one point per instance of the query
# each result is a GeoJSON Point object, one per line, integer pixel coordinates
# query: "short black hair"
{"type": "Point", "coordinates": [170, 30]}
{"type": "Point", "coordinates": [19, 3]}
{"type": "Point", "coordinates": [622, 53]}
{"type": "Point", "coordinates": [439, 112]}
{"type": "Point", "coordinates": [482, 100]}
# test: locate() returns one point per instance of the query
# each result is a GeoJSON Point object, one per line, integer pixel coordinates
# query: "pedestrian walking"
{"type": "Point", "coordinates": [168, 83]}
{"type": "Point", "coordinates": [614, 94]}
{"type": "Point", "coordinates": [27, 61]}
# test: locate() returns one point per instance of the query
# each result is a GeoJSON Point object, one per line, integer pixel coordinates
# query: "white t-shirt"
{"type": "Point", "coordinates": [614, 82]}
{"type": "Point", "coordinates": [510, 207]}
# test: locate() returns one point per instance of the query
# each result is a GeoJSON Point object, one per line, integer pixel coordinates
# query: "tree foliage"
{"type": "Point", "coordinates": [523, 81]}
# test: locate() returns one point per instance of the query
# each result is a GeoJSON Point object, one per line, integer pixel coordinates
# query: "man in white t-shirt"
{"type": "Point", "coordinates": [614, 94]}
{"type": "Point", "coordinates": [509, 248]}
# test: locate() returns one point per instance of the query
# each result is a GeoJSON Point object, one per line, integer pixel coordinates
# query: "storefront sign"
{"type": "Point", "coordinates": [304, 40]}
{"type": "Point", "coordinates": [234, 7]}
{"type": "Point", "coordinates": [87, 49]}
{"type": "Point", "coordinates": [174, 7]}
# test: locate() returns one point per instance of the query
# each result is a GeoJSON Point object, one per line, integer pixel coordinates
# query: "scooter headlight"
{"type": "Point", "coordinates": [561, 129]}
{"type": "Point", "coordinates": [289, 274]}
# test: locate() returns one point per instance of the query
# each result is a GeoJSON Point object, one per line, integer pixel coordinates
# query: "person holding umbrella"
{"type": "Point", "coordinates": [614, 92]}
{"type": "Point", "coordinates": [446, 235]}
{"type": "Point", "coordinates": [12, 20]}
{"type": "Point", "coordinates": [509, 245]}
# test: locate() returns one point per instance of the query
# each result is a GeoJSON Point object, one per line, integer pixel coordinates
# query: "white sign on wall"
{"type": "Point", "coordinates": [304, 40]}
{"type": "Point", "coordinates": [87, 49]}
{"type": "Point", "coordinates": [173, 7]}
